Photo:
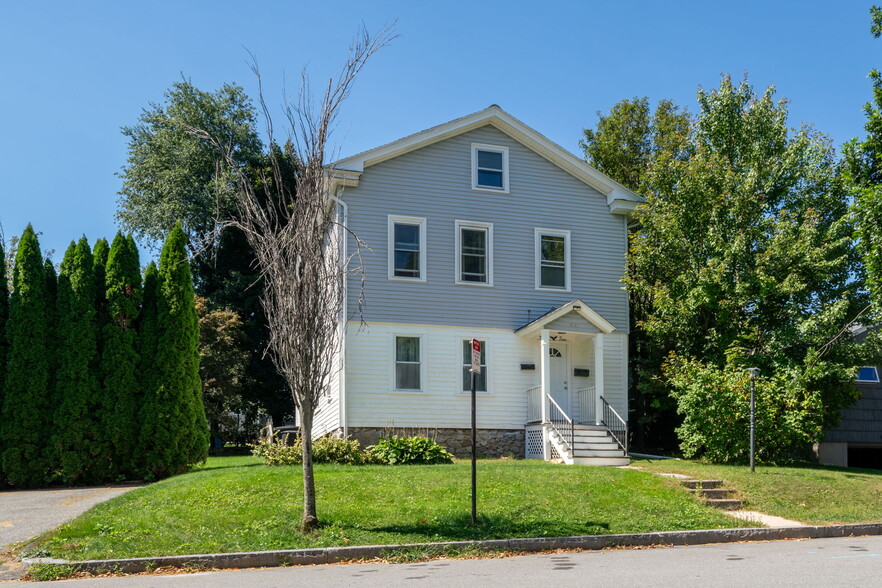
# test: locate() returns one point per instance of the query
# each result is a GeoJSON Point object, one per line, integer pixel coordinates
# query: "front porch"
{"type": "Point", "coordinates": [569, 417]}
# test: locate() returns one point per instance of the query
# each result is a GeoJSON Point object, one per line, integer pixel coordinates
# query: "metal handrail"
{"type": "Point", "coordinates": [565, 423]}
{"type": "Point", "coordinates": [534, 404]}
{"type": "Point", "coordinates": [615, 424]}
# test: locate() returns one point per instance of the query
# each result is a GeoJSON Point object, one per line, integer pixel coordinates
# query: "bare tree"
{"type": "Point", "coordinates": [295, 233]}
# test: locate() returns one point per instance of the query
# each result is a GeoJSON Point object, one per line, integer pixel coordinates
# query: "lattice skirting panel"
{"type": "Point", "coordinates": [534, 444]}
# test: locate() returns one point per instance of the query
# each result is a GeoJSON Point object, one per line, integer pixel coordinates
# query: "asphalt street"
{"type": "Point", "coordinates": [853, 561]}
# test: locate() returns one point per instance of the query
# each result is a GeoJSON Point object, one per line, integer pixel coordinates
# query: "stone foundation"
{"type": "Point", "coordinates": [491, 442]}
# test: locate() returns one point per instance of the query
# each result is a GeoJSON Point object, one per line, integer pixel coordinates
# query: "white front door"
{"type": "Point", "coordinates": [560, 389]}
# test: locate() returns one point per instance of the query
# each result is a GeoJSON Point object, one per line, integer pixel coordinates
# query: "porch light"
{"type": "Point", "coordinates": [577, 307]}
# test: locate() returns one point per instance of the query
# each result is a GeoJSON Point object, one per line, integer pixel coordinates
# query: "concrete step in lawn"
{"type": "Point", "coordinates": [713, 495]}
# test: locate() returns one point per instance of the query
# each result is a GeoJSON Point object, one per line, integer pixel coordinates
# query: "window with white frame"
{"type": "Point", "coordinates": [489, 168]}
{"type": "Point", "coordinates": [552, 259]}
{"type": "Point", "coordinates": [867, 373]}
{"type": "Point", "coordinates": [407, 248]}
{"type": "Point", "coordinates": [481, 379]}
{"type": "Point", "coordinates": [474, 249]}
{"type": "Point", "coordinates": [408, 366]}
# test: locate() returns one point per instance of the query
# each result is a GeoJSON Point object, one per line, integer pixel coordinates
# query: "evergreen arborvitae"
{"type": "Point", "coordinates": [100, 252]}
{"type": "Point", "coordinates": [4, 315]}
{"type": "Point", "coordinates": [77, 431]}
{"type": "Point", "coordinates": [148, 373]}
{"type": "Point", "coordinates": [4, 348]}
{"type": "Point", "coordinates": [119, 363]}
{"type": "Point", "coordinates": [26, 400]}
{"type": "Point", "coordinates": [175, 423]}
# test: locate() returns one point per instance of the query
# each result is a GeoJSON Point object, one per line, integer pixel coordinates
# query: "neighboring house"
{"type": "Point", "coordinates": [857, 440]}
{"type": "Point", "coordinates": [483, 228]}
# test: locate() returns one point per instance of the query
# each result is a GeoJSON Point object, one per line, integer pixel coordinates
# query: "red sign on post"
{"type": "Point", "coordinates": [476, 356]}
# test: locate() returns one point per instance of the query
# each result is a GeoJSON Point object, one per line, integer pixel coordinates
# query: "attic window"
{"type": "Point", "coordinates": [489, 168]}
{"type": "Point", "coordinates": [867, 374]}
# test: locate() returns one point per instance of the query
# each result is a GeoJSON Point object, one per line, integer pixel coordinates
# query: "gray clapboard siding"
{"type": "Point", "coordinates": [435, 183]}
{"type": "Point", "coordinates": [862, 422]}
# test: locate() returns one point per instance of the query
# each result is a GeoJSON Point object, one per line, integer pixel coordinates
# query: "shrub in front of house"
{"type": "Point", "coordinates": [395, 450]}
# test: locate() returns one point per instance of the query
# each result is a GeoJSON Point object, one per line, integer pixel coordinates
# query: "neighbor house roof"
{"type": "Point", "coordinates": [621, 200]}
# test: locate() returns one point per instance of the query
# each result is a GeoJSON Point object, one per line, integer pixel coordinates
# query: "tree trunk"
{"type": "Point", "coordinates": [310, 520]}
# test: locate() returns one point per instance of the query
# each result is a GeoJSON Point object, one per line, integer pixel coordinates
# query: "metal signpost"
{"type": "Point", "coordinates": [476, 369]}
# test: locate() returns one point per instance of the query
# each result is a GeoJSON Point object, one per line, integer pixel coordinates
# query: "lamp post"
{"type": "Point", "coordinates": [754, 373]}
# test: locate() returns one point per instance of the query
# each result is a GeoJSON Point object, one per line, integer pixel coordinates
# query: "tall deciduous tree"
{"type": "Point", "coordinates": [176, 425]}
{"type": "Point", "coordinates": [744, 257]}
{"type": "Point", "coordinates": [171, 175]}
{"type": "Point", "coordinates": [640, 148]}
{"type": "Point", "coordinates": [119, 361]}
{"type": "Point", "coordinates": [25, 459]}
{"type": "Point", "coordinates": [289, 231]}
{"type": "Point", "coordinates": [863, 164]}
{"type": "Point", "coordinates": [77, 432]}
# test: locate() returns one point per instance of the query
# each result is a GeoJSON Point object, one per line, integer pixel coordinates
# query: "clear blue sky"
{"type": "Point", "coordinates": [73, 73]}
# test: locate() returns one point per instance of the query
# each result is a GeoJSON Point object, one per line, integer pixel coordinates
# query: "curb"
{"type": "Point", "coordinates": [326, 555]}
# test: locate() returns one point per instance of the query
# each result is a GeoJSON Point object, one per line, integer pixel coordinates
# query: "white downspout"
{"type": "Point", "coordinates": [342, 367]}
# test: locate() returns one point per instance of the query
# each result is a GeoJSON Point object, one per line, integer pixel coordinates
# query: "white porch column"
{"type": "Point", "coordinates": [545, 384]}
{"type": "Point", "coordinates": [598, 377]}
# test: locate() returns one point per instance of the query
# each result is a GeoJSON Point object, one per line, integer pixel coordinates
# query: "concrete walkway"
{"type": "Point", "coordinates": [24, 514]}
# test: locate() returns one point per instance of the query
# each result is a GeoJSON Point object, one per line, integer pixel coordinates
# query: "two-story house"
{"type": "Point", "coordinates": [483, 228]}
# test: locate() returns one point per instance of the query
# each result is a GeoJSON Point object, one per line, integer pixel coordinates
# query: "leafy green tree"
{"type": "Point", "coordinates": [863, 165]}
{"type": "Point", "coordinates": [639, 148]}
{"type": "Point", "coordinates": [744, 258]}
{"type": "Point", "coordinates": [120, 359]}
{"type": "Point", "coordinates": [177, 429]}
{"type": "Point", "coordinates": [25, 455]}
{"type": "Point", "coordinates": [222, 370]}
{"type": "Point", "coordinates": [172, 175]}
{"type": "Point", "coordinates": [76, 432]}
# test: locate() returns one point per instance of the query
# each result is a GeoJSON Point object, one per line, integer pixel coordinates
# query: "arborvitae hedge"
{"type": "Point", "coordinates": [122, 385]}
{"type": "Point", "coordinates": [82, 402]}
{"type": "Point", "coordinates": [4, 315]}
{"type": "Point", "coordinates": [148, 372]}
{"type": "Point", "coordinates": [82, 450]}
{"type": "Point", "coordinates": [26, 410]}
{"type": "Point", "coordinates": [176, 421]}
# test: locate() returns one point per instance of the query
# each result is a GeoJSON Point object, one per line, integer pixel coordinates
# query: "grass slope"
{"type": "Point", "coordinates": [238, 504]}
{"type": "Point", "coordinates": [813, 494]}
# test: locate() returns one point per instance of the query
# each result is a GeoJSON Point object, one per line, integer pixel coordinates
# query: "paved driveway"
{"type": "Point", "coordinates": [27, 513]}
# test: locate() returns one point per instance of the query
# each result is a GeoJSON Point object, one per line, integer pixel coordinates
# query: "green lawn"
{"type": "Point", "coordinates": [813, 494]}
{"type": "Point", "coordinates": [238, 504]}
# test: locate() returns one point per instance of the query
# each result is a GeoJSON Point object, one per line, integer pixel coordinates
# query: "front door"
{"type": "Point", "coordinates": [559, 385]}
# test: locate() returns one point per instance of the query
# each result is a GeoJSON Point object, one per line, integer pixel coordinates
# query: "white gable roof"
{"type": "Point", "coordinates": [575, 306]}
{"type": "Point", "coordinates": [620, 199]}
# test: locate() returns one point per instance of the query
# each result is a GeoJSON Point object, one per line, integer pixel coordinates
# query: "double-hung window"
{"type": "Point", "coordinates": [489, 168]}
{"type": "Point", "coordinates": [408, 366]}
{"type": "Point", "coordinates": [481, 379]}
{"type": "Point", "coordinates": [474, 248]}
{"type": "Point", "coordinates": [552, 259]}
{"type": "Point", "coordinates": [407, 248]}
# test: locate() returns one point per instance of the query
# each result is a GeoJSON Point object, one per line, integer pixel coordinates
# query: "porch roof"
{"type": "Point", "coordinates": [577, 307]}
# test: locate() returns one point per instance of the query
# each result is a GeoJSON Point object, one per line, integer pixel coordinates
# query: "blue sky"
{"type": "Point", "coordinates": [73, 73]}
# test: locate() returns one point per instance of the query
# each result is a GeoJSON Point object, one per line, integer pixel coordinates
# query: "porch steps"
{"type": "Point", "coordinates": [593, 445]}
{"type": "Point", "coordinates": [713, 494]}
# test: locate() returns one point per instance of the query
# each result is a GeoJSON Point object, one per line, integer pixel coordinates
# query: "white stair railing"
{"type": "Point", "coordinates": [534, 404]}
{"type": "Point", "coordinates": [587, 404]}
